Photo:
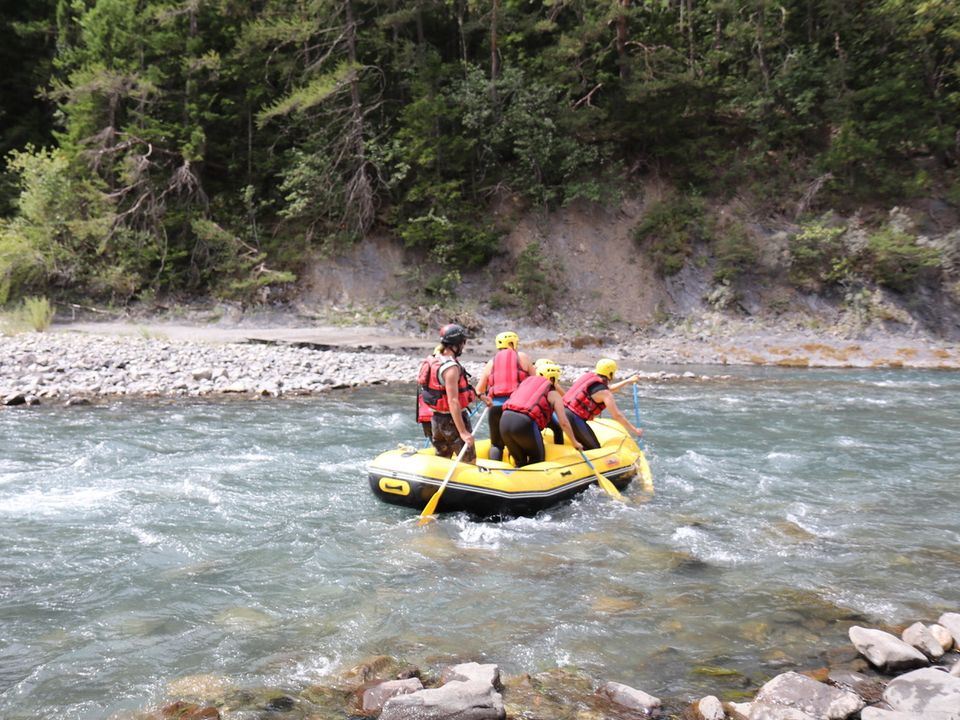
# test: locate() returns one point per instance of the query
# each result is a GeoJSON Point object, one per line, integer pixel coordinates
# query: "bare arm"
{"type": "Point", "coordinates": [525, 364]}
{"type": "Point", "coordinates": [484, 378]}
{"type": "Point", "coordinates": [606, 397]}
{"type": "Point", "coordinates": [632, 380]}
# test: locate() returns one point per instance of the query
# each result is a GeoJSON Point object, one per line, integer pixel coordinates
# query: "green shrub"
{"type": "Point", "coordinates": [33, 313]}
{"type": "Point", "coordinates": [670, 229]}
{"type": "Point", "coordinates": [734, 252]}
{"type": "Point", "coordinates": [894, 259]}
{"type": "Point", "coordinates": [815, 252]}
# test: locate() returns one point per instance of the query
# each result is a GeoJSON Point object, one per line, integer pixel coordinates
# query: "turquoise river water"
{"type": "Point", "coordinates": [146, 541]}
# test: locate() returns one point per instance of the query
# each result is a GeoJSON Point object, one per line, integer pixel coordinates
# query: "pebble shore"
{"type": "Point", "coordinates": [76, 368]}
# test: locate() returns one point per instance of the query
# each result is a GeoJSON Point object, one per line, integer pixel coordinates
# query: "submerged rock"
{"type": "Point", "coordinates": [630, 697]}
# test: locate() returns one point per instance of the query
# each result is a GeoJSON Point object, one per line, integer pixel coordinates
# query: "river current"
{"type": "Point", "coordinates": [146, 541]}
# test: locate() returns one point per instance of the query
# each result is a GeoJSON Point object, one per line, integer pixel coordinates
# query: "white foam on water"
{"type": "Point", "coordinates": [199, 492]}
{"type": "Point", "coordinates": [57, 502]}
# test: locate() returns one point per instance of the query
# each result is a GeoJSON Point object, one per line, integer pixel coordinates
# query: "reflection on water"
{"type": "Point", "coordinates": [146, 542]}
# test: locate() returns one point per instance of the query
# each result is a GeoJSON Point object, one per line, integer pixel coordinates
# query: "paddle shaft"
{"type": "Point", "coordinates": [608, 486]}
{"type": "Point", "coordinates": [431, 506]}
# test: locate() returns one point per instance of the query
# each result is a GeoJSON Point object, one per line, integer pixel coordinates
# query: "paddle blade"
{"type": "Point", "coordinates": [646, 477]}
{"type": "Point", "coordinates": [431, 508]}
{"type": "Point", "coordinates": [608, 486]}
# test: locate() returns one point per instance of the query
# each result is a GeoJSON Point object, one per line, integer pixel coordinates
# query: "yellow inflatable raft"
{"type": "Point", "coordinates": [491, 488]}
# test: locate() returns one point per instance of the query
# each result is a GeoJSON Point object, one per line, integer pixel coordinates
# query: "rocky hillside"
{"type": "Point", "coordinates": [606, 281]}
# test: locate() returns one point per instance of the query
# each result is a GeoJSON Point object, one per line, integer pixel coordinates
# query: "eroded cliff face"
{"type": "Point", "coordinates": [606, 279]}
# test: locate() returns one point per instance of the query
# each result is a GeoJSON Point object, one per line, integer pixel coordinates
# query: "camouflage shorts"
{"type": "Point", "coordinates": [447, 440]}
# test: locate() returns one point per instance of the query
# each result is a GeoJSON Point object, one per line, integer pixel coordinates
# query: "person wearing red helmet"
{"type": "Point", "coordinates": [446, 390]}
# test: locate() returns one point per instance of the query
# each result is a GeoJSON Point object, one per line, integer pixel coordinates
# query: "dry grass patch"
{"type": "Point", "coordinates": [794, 362]}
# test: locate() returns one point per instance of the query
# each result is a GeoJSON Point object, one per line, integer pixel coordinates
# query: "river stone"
{"type": "Point", "coordinates": [881, 714]}
{"type": "Point", "coordinates": [374, 697]}
{"type": "Point", "coordinates": [920, 637]}
{"type": "Point", "coordinates": [710, 708]}
{"type": "Point", "coordinates": [867, 688]}
{"type": "Point", "coordinates": [925, 691]}
{"type": "Point", "coordinates": [942, 635]}
{"type": "Point", "coordinates": [807, 695]}
{"type": "Point", "coordinates": [457, 700]}
{"type": "Point", "coordinates": [886, 651]}
{"type": "Point", "coordinates": [488, 673]}
{"type": "Point", "coordinates": [951, 621]}
{"type": "Point", "coordinates": [766, 711]}
{"type": "Point", "coordinates": [630, 697]}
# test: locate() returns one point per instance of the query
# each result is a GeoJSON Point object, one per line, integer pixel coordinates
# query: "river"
{"type": "Point", "coordinates": [145, 541]}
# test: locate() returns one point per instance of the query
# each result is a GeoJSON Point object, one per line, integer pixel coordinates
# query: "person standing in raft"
{"type": "Point", "coordinates": [446, 390]}
{"type": "Point", "coordinates": [424, 411]}
{"type": "Point", "coordinates": [587, 398]}
{"type": "Point", "coordinates": [499, 378]}
{"type": "Point", "coordinates": [528, 411]}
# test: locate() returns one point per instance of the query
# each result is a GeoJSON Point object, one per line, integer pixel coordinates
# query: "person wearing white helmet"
{"type": "Point", "coordinates": [501, 376]}
{"type": "Point", "coordinates": [528, 411]}
{"type": "Point", "coordinates": [445, 388]}
{"type": "Point", "coordinates": [590, 395]}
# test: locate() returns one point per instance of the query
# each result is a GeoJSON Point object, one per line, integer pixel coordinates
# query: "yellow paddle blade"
{"type": "Point", "coordinates": [431, 507]}
{"type": "Point", "coordinates": [646, 477]}
{"type": "Point", "coordinates": [608, 486]}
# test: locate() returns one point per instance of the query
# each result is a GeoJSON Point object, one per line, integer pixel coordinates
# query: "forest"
{"type": "Point", "coordinates": [212, 147]}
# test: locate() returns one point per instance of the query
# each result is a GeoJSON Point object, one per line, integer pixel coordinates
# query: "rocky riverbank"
{"type": "Point", "coordinates": [883, 677]}
{"type": "Point", "coordinates": [79, 362]}
{"type": "Point", "coordinates": [82, 367]}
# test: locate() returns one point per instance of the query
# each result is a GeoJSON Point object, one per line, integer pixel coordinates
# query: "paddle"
{"type": "Point", "coordinates": [645, 475]}
{"type": "Point", "coordinates": [431, 506]}
{"type": "Point", "coordinates": [604, 482]}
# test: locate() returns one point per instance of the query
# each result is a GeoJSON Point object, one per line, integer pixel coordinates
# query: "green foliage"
{"type": "Point", "coordinates": [816, 254]}
{"type": "Point", "coordinates": [244, 274]}
{"type": "Point", "coordinates": [734, 251]}
{"type": "Point", "coordinates": [888, 257]}
{"type": "Point", "coordinates": [344, 116]}
{"type": "Point", "coordinates": [33, 313]}
{"type": "Point", "coordinates": [894, 259]}
{"type": "Point", "coordinates": [670, 229]}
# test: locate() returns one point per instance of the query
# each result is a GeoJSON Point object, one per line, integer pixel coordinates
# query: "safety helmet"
{"type": "Point", "coordinates": [543, 361]}
{"type": "Point", "coordinates": [452, 335]}
{"type": "Point", "coordinates": [508, 339]}
{"type": "Point", "coordinates": [606, 367]}
{"type": "Point", "coordinates": [549, 370]}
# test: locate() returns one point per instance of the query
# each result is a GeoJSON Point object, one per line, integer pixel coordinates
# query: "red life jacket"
{"type": "Point", "coordinates": [424, 413]}
{"type": "Point", "coordinates": [531, 400]}
{"type": "Point", "coordinates": [433, 391]}
{"type": "Point", "coordinates": [578, 399]}
{"type": "Point", "coordinates": [506, 375]}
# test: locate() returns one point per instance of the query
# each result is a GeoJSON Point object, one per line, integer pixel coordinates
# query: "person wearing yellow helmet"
{"type": "Point", "coordinates": [590, 395]}
{"type": "Point", "coordinates": [501, 376]}
{"type": "Point", "coordinates": [529, 410]}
